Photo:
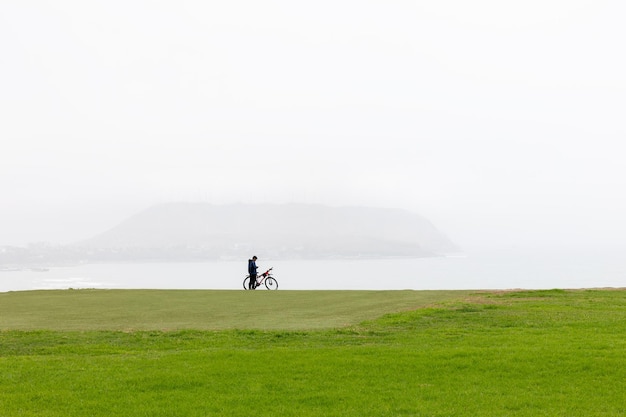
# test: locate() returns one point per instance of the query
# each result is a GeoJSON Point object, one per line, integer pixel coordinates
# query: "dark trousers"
{"type": "Point", "coordinates": [252, 284]}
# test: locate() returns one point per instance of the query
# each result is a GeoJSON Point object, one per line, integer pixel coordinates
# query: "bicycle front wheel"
{"type": "Point", "coordinates": [246, 283]}
{"type": "Point", "coordinates": [271, 283]}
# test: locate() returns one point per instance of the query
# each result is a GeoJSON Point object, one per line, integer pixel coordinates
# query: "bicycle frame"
{"type": "Point", "coordinates": [262, 278]}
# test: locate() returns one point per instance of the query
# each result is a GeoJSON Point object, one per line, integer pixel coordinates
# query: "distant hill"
{"type": "Point", "coordinates": [206, 231]}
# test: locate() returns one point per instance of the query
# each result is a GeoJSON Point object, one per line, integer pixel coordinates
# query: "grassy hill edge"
{"type": "Point", "coordinates": [172, 310]}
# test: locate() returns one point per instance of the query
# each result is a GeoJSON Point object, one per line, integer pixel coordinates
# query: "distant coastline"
{"type": "Point", "coordinates": [190, 232]}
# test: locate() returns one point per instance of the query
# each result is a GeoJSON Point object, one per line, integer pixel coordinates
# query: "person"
{"type": "Point", "coordinates": [252, 271]}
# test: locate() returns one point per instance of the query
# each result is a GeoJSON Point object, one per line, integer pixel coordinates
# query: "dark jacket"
{"type": "Point", "coordinates": [251, 267]}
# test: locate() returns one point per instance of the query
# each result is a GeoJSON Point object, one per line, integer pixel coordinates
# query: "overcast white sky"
{"type": "Point", "coordinates": [502, 122]}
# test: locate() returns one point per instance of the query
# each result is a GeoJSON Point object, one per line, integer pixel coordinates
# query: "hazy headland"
{"type": "Point", "coordinates": [202, 231]}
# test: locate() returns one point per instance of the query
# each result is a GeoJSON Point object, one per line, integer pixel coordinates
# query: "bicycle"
{"type": "Point", "coordinates": [266, 279]}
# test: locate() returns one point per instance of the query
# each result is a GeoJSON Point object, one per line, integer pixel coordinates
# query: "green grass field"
{"type": "Point", "coordinates": [313, 353]}
{"type": "Point", "coordinates": [129, 310]}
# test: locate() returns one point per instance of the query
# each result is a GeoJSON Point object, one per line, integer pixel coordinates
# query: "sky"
{"type": "Point", "coordinates": [501, 122]}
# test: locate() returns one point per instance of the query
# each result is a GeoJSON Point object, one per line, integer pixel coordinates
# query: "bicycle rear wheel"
{"type": "Point", "coordinates": [246, 283]}
{"type": "Point", "coordinates": [271, 283]}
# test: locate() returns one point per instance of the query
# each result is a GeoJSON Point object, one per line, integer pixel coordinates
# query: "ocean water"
{"type": "Point", "coordinates": [505, 269]}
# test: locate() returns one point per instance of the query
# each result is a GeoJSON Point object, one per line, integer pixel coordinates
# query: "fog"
{"type": "Point", "coordinates": [502, 123]}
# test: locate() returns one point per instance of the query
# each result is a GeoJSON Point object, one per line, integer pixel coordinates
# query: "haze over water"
{"type": "Point", "coordinates": [504, 270]}
{"type": "Point", "coordinates": [502, 123]}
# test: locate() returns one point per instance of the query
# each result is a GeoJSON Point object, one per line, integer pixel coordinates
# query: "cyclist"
{"type": "Point", "coordinates": [252, 271]}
